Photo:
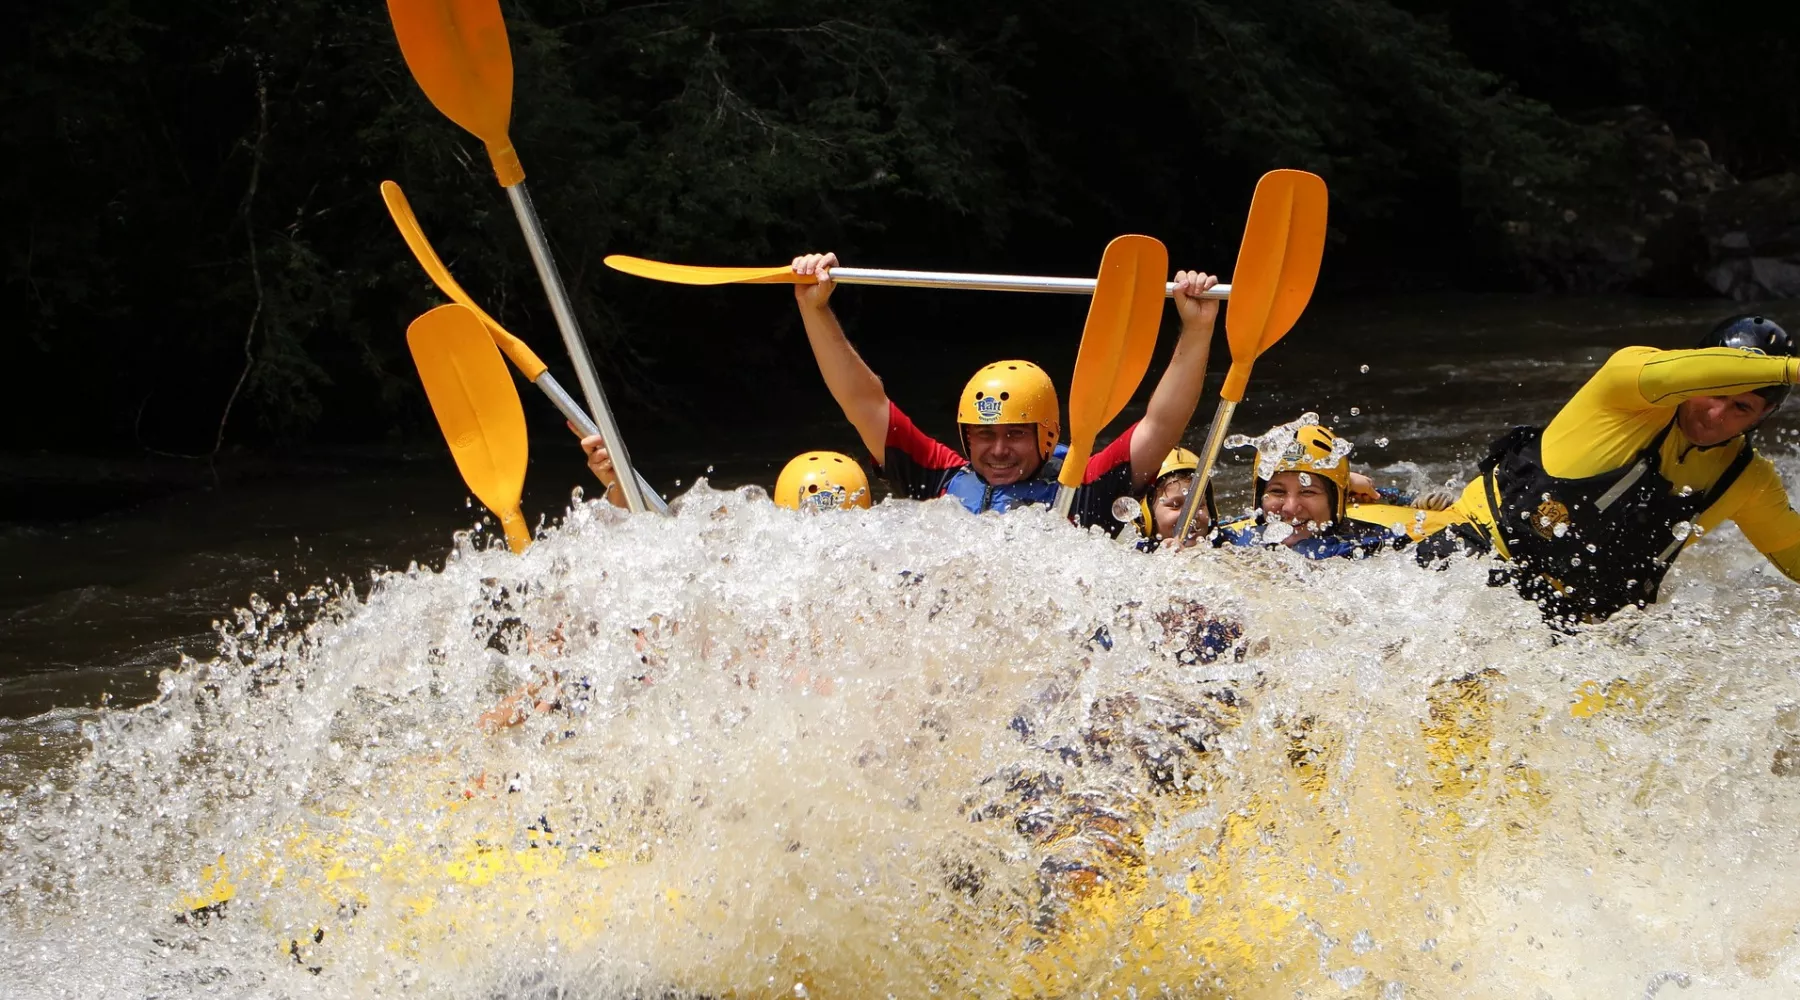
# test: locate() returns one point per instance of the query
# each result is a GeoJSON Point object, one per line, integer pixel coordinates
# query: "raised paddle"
{"type": "Point", "coordinates": [1116, 345]}
{"type": "Point", "coordinates": [1277, 267]}
{"type": "Point", "coordinates": [691, 274]}
{"type": "Point", "coordinates": [458, 52]}
{"type": "Point", "coordinates": [527, 361]}
{"type": "Point", "coordinates": [477, 408]}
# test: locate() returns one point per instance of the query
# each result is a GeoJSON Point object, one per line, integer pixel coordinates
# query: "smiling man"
{"type": "Point", "coordinates": [1651, 452]}
{"type": "Point", "coordinates": [1008, 417]}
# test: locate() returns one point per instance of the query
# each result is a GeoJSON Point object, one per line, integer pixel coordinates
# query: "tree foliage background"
{"type": "Point", "coordinates": [196, 256]}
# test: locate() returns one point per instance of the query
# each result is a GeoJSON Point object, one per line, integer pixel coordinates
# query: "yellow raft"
{"type": "Point", "coordinates": [1260, 867]}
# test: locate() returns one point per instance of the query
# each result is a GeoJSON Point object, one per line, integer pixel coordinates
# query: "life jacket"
{"type": "Point", "coordinates": [975, 494]}
{"type": "Point", "coordinates": [1346, 539]}
{"type": "Point", "coordinates": [1585, 548]}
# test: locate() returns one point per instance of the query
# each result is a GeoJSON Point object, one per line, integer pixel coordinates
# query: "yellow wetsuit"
{"type": "Point", "coordinates": [1630, 400]}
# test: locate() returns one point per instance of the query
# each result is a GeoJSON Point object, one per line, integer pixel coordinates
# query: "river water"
{"type": "Point", "coordinates": [899, 752]}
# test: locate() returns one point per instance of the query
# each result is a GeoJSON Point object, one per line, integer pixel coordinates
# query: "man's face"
{"type": "Point", "coordinates": [1710, 420]}
{"type": "Point", "coordinates": [1301, 500]}
{"type": "Point", "coordinates": [1003, 454]}
{"type": "Point", "coordinates": [1166, 506]}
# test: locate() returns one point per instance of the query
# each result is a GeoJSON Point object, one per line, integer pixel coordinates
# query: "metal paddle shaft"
{"type": "Point", "coordinates": [576, 346]}
{"type": "Point", "coordinates": [987, 282]}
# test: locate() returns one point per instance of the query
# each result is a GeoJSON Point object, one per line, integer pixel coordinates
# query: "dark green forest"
{"type": "Point", "coordinates": [196, 258]}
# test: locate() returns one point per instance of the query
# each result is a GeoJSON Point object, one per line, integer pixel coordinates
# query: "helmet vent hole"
{"type": "Point", "coordinates": [980, 395]}
{"type": "Point", "coordinates": [1005, 396]}
{"type": "Point", "coordinates": [812, 487]}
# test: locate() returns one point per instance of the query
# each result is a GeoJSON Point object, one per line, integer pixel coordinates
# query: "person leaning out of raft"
{"type": "Point", "coordinates": [1303, 501]}
{"type": "Point", "coordinates": [1591, 510]}
{"type": "Point", "coordinates": [1008, 416]}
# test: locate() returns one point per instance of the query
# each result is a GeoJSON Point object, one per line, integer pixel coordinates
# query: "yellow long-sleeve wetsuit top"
{"type": "Point", "coordinates": [1630, 400]}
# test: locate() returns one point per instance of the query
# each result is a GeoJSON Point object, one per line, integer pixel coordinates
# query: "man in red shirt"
{"type": "Point", "coordinates": [1008, 416]}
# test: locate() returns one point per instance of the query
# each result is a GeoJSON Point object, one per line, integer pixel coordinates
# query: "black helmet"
{"type": "Point", "coordinates": [1755, 333]}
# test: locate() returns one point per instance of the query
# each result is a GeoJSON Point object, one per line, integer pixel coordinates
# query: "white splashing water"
{"type": "Point", "coordinates": [904, 752]}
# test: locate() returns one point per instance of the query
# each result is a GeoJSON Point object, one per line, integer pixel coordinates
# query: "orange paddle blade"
{"type": "Point", "coordinates": [457, 50]}
{"type": "Point", "coordinates": [477, 408]}
{"type": "Point", "coordinates": [530, 365]}
{"type": "Point", "coordinates": [1116, 344]}
{"type": "Point", "coordinates": [693, 274]}
{"type": "Point", "coordinates": [1277, 267]}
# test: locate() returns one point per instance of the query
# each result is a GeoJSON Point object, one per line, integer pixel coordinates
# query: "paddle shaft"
{"type": "Point", "coordinates": [572, 411]}
{"type": "Point", "coordinates": [576, 346]}
{"type": "Point", "coordinates": [986, 282]}
{"type": "Point", "coordinates": [1215, 439]}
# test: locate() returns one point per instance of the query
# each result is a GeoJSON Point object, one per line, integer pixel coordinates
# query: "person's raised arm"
{"type": "Point", "coordinates": [1668, 377]}
{"type": "Point", "coordinates": [1172, 404]}
{"type": "Point", "coordinates": [856, 388]}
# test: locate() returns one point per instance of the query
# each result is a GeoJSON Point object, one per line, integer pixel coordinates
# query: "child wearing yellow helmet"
{"type": "Point", "coordinates": [1157, 510]}
{"type": "Point", "coordinates": [1303, 486]}
{"type": "Point", "coordinates": [1008, 419]}
{"type": "Point", "coordinates": [822, 480]}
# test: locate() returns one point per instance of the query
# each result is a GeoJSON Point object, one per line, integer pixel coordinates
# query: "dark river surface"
{"type": "Point", "coordinates": [96, 607]}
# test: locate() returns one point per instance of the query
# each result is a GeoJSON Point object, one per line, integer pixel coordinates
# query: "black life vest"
{"type": "Point", "coordinates": [1585, 548]}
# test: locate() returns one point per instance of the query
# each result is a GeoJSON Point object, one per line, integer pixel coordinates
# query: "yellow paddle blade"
{"type": "Point", "coordinates": [477, 408]}
{"type": "Point", "coordinates": [530, 365]}
{"type": "Point", "coordinates": [457, 50]}
{"type": "Point", "coordinates": [1277, 267]}
{"type": "Point", "coordinates": [693, 274]}
{"type": "Point", "coordinates": [1116, 344]}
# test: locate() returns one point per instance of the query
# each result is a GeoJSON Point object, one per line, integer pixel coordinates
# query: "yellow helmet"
{"type": "Point", "coordinates": [1011, 392]}
{"type": "Point", "coordinates": [822, 480]}
{"type": "Point", "coordinates": [1314, 449]}
{"type": "Point", "coordinates": [1177, 462]}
